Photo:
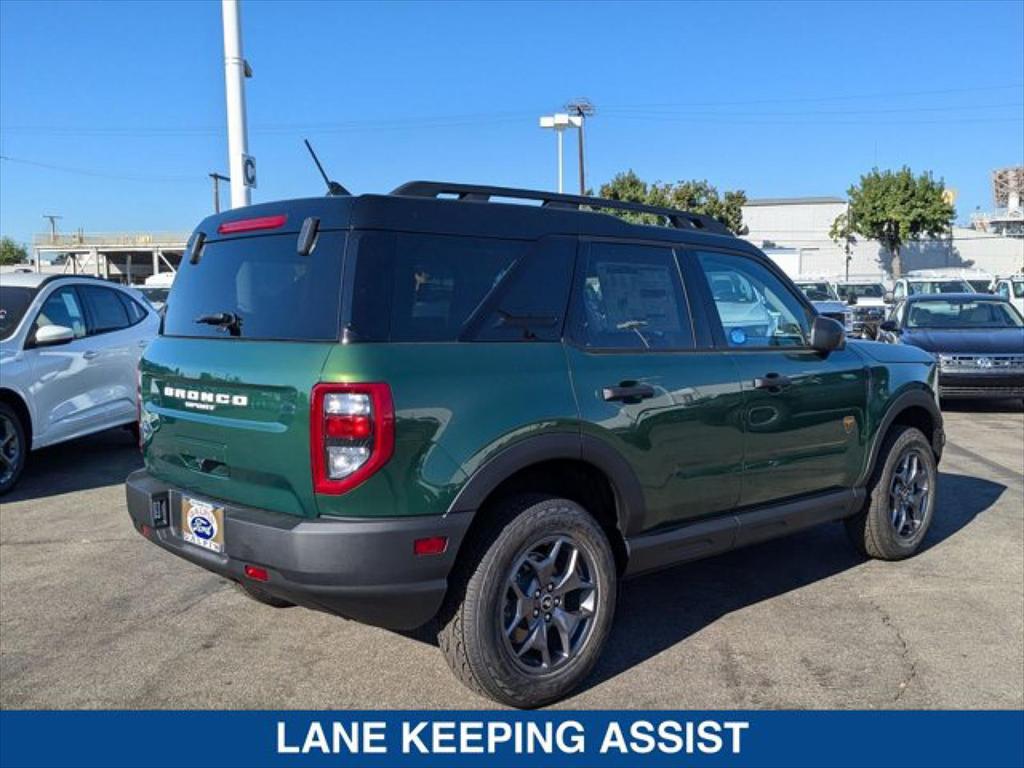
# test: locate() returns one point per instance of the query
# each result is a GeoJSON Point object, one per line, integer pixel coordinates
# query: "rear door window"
{"type": "Point", "coordinates": [272, 291]}
{"type": "Point", "coordinates": [106, 312]}
{"type": "Point", "coordinates": [631, 297]}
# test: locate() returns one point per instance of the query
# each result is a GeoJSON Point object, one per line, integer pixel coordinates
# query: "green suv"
{"type": "Point", "coordinates": [443, 405]}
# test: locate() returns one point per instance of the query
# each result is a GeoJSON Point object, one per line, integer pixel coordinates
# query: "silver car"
{"type": "Point", "coordinates": [69, 349]}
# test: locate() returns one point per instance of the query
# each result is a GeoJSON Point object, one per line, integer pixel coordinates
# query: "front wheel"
{"type": "Point", "coordinates": [901, 503]}
{"type": "Point", "coordinates": [13, 448]}
{"type": "Point", "coordinates": [532, 603]}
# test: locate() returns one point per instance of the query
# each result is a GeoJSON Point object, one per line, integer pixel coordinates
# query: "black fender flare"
{"type": "Point", "coordinates": [922, 398]}
{"type": "Point", "coordinates": [629, 498]}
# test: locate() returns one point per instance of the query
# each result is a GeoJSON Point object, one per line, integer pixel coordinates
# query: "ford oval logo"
{"type": "Point", "coordinates": [202, 526]}
{"type": "Point", "coordinates": [984, 362]}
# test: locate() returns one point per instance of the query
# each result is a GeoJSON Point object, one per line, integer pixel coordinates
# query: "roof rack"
{"type": "Point", "coordinates": [482, 194]}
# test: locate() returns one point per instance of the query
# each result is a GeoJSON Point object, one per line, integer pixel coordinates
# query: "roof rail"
{"type": "Point", "coordinates": [482, 194]}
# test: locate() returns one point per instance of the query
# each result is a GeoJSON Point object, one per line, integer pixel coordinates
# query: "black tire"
{"type": "Point", "coordinates": [13, 448]}
{"type": "Point", "coordinates": [473, 635]}
{"type": "Point", "coordinates": [262, 596]}
{"type": "Point", "coordinates": [879, 530]}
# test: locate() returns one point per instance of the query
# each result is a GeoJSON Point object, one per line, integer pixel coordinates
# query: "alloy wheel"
{"type": "Point", "coordinates": [549, 604]}
{"type": "Point", "coordinates": [10, 449]}
{"type": "Point", "coordinates": [909, 494]}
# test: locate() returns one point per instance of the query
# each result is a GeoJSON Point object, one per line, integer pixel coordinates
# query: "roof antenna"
{"type": "Point", "coordinates": [333, 187]}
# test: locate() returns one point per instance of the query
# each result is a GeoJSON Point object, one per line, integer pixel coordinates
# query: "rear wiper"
{"type": "Point", "coordinates": [228, 320]}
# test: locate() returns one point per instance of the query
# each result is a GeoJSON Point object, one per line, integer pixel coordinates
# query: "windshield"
{"type": "Point", "coordinates": [817, 291]}
{"type": "Point", "coordinates": [861, 290]}
{"type": "Point", "coordinates": [939, 286]}
{"type": "Point", "coordinates": [14, 300]}
{"type": "Point", "coordinates": [1018, 289]}
{"type": "Point", "coordinates": [963, 314]}
{"type": "Point", "coordinates": [259, 288]}
{"type": "Point", "coordinates": [981, 286]}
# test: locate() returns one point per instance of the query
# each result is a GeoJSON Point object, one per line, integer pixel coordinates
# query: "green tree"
{"type": "Point", "coordinates": [12, 252]}
{"type": "Point", "coordinates": [894, 208]}
{"type": "Point", "coordinates": [696, 196]}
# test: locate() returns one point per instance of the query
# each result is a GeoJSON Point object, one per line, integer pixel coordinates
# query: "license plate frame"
{"type": "Point", "coordinates": [202, 524]}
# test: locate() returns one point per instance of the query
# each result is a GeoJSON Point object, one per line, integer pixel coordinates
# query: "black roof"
{"type": "Point", "coordinates": [449, 208]}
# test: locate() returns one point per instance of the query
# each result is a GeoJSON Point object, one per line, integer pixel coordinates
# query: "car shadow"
{"type": "Point", "coordinates": [95, 461]}
{"type": "Point", "coordinates": [660, 610]}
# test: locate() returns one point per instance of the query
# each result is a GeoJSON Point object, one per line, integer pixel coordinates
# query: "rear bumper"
{"type": "Point", "coordinates": [987, 385]}
{"type": "Point", "coordinates": [359, 568]}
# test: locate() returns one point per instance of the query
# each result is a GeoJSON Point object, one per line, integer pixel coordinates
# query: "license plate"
{"type": "Point", "coordinates": [202, 524]}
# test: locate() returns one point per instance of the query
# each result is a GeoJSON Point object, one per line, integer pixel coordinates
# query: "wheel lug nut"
{"type": "Point", "coordinates": [558, 601]}
{"type": "Point", "coordinates": [550, 587]}
{"type": "Point", "coordinates": [547, 617]}
{"type": "Point", "coordinates": [537, 593]}
{"type": "Point", "coordinates": [536, 613]}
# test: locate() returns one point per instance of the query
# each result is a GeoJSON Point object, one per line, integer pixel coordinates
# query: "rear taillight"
{"type": "Point", "coordinates": [352, 434]}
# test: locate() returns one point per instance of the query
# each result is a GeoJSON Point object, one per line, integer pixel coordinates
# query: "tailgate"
{"type": "Point", "coordinates": [230, 419]}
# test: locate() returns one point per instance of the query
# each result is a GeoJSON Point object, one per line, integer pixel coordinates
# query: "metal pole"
{"type": "Point", "coordinates": [559, 132]}
{"type": "Point", "coordinates": [583, 183]}
{"type": "Point", "coordinates": [234, 86]}
{"type": "Point", "coordinates": [217, 179]}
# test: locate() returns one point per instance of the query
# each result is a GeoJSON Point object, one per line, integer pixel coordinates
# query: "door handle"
{"type": "Point", "coordinates": [774, 382]}
{"type": "Point", "coordinates": [91, 354]}
{"type": "Point", "coordinates": [629, 392]}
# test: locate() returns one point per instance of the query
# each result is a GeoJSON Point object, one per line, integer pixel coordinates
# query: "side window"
{"type": "Point", "coordinates": [136, 314]}
{"type": "Point", "coordinates": [755, 307]}
{"type": "Point", "coordinates": [62, 308]}
{"type": "Point", "coordinates": [631, 297]}
{"type": "Point", "coordinates": [899, 291]}
{"type": "Point", "coordinates": [1004, 290]}
{"type": "Point", "coordinates": [106, 312]}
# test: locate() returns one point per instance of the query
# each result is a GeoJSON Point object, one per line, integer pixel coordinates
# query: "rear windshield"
{"type": "Point", "coordinates": [14, 300]}
{"type": "Point", "coordinates": [259, 288]}
{"type": "Point", "coordinates": [861, 290]}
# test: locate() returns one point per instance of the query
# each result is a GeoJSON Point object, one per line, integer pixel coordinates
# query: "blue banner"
{"type": "Point", "coordinates": [166, 739]}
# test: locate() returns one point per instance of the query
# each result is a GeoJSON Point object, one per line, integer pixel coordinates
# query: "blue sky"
{"type": "Point", "coordinates": [775, 99]}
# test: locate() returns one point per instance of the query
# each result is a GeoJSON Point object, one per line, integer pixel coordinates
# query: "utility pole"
{"type": "Point", "coordinates": [849, 238]}
{"type": "Point", "coordinates": [53, 225]}
{"type": "Point", "coordinates": [217, 179]}
{"type": "Point", "coordinates": [236, 69]}
{"type": "Point", "coordinates": [581, 108]}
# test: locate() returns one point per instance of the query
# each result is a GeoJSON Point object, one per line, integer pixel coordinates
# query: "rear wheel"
{"type": "Point", "coordinates": [531, 606]}
{"type": "Point", "coordinates": [901, 504]}
{"type": "Point", "coordinates": [13, 448]}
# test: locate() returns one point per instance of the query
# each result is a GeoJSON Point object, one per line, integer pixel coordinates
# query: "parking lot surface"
{"type": "Point", "coordinates": [92, 615]}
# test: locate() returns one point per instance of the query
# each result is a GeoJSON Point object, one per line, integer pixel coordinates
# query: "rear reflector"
{"type": "Point", "coordinates": [145, 530]}
{"type": "Point", "coordinates": [251, 225]}
{"type": "Point", "coordinates": [256, 573]}
{"type": "Point", "coordinates": [435, 545]}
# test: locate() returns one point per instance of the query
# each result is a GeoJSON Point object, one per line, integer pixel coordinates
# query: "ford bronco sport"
{"type": "Point", "coordinates": [441, 405]}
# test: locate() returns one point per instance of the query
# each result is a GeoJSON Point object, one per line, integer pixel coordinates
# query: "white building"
{"type": "Point", "coordinates": [803, 224]}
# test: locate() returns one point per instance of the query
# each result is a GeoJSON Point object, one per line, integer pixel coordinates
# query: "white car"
{"type": "Point", "coordinates": [69, 349]}
{"type": "Point", "coordinates": [930, 281]}
{"type": "Point", "coordinates": [866, 296]}
{"type": "Point", "coordinates": [1011, 289]}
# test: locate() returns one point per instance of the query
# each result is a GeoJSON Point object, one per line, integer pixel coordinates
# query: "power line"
{"type": "Point", "coordinates": [102, 174]}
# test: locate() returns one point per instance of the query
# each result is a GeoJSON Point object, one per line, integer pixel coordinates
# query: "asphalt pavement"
{"type": "Point", "coordinates": [92, 615]}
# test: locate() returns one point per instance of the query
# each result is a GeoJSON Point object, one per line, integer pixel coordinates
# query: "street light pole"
{"type": "Point", "coordinates": [235, 72]}
{"type": "Point", "coordinates": [217, 179]}
{"type": "Point", "coordinates": [558, 123]}
{"type": "Point", "coordinates": [581, 109]}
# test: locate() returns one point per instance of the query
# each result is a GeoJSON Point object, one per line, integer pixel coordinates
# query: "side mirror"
{"type": "Point", "coordinates": [51, 335]}
{"type": "Point", "coordinates": [889, 326]}
{"type": "Point", "coordinates": [888, 298]}
{"type": "Point", "coordinates": [827, 335]}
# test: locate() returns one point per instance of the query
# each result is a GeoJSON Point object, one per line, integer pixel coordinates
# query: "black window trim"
{"type": "Point", "coordinates": [717, 332]}
{"type": "Point", "coordinates": [127, 298]}
{"type": "Point", "coordinates": [570, 337]}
